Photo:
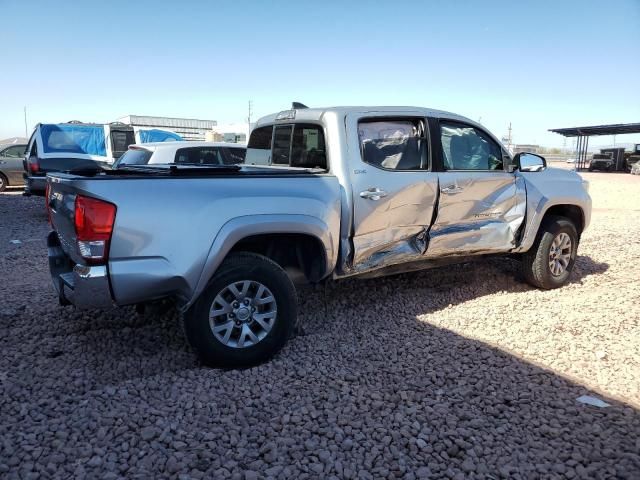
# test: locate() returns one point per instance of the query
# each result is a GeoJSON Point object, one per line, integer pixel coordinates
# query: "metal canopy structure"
{"type": "Point", "coordinates": [583, 134]}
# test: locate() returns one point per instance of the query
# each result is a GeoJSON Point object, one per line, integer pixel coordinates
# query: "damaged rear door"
{"type": "Point", "coordinates": [482, 205]}
{"type": "Point", "coordinates": [394, 189]}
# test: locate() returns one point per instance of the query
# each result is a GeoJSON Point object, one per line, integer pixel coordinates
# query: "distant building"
{"type": "Point", "coordinates": [187, 128]}
{"type": "Point", "coordinates": [524, 147]}
{"type": "Point", "coordinates": [229, 132]}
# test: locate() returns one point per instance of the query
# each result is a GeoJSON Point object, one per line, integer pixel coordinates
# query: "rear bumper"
{"type": "Point", "coordinates": [34, 185]}
{"type": "Point", "coordinates": [81, 285]}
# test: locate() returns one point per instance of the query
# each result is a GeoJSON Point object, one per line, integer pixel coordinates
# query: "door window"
{"type": "Point", "coordinates": [468, 148]}
{"type": "Point", "coordinates": [13, 152]}
{"type": "Point", "coordinates": [33, 148]}
{"type": "Point", "coordinates": [135, 156]}
{"type": "Point", "coordinates": [394, 144]}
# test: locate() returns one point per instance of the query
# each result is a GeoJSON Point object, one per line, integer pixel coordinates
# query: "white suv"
{"type": "Point", "coordinates": [191, 153]}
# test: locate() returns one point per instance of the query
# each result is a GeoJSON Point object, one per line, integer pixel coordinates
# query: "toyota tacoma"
{"type": "Point", "coordinates": [324, 194]}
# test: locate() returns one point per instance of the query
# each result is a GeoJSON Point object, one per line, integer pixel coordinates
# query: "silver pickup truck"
{"type": "Point", "coordinates": [324, 194]}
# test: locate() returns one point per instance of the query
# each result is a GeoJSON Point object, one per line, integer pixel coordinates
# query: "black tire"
{"type": "Point", "coordinates": [240, 267]}
{"type": "Point", "coordinates": [535, 262]}
{"type": "Point", "coordinates": [4, 182]}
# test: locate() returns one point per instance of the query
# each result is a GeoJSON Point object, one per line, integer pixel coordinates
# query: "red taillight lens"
{"type": "Point", "coordinates": [94, 223]}
{"type": "Point", "coordinates": [34, 166]}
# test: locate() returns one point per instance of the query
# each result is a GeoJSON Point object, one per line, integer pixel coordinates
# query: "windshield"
{"type": "Point", "coordinates": [135, 156]}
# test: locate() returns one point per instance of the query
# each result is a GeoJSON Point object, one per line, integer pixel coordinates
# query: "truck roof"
{"type": "Point", "coordinates": [316, 114]}
{"type": "Point", "coordinates": [186, 143]}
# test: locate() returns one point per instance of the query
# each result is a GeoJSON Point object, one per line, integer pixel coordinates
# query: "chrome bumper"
{"type": "Point", "coordinates": [81, 285]}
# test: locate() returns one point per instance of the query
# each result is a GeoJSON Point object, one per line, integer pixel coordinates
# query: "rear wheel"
{"type": "Point", "coordinates": [245, 315]}
{"type": "Point", "coordinates": [3, 182]}
{"type": "Point", "coordinates": [549, 262]}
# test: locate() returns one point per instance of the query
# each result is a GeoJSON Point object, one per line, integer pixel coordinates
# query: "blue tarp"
{"type": "Point", "coordinates": [148, 136]}
{"type": "Point", "coordinates": [71, 138]}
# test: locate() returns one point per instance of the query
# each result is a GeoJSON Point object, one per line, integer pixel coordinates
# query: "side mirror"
{"type": "Point", "coordinates": [530, 162]}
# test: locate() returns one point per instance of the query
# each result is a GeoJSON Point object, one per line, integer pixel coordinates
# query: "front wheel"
{"type": "Point", "coordinates": [245, 315]}
{"type": "Point", "coordinates": [549, 262]}
{"type": "Point", "coordinates": [3, 183]}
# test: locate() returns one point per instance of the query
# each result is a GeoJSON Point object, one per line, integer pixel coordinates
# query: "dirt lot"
{"type": "Point", "coordinates": [463, 372]}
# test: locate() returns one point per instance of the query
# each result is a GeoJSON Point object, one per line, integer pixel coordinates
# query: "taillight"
{"type": "Point", "coordinates": [47, 190]}
{"type": "Point", "coordinates": [94, 223]}
{"type": "Point", "coordinates": [34, 166]}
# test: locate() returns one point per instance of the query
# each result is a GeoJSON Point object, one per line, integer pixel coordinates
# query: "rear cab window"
{"type": "Point", "coordinates": [199, 156]}
{"type": "Point", "coordinates": [135, 156]}
{"type": "Point", "coordinates": [73, 138]}
{"type": "Point", "coordinates": [299, 145]}
{"type": "Point", "coordinates": [210, 155]}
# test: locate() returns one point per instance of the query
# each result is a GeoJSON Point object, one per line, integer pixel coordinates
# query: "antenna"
{"type": "Point", "coordinates": [249, 114]}
{"type": "Point", "coordinates": [26, 133]}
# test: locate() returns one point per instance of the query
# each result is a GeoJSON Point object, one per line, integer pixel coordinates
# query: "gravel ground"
{"type": "Point", "coordinates": [462, 372]}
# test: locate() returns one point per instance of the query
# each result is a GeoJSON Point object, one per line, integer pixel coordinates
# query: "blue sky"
{"type": "Point", "coordinates": [538, 64]}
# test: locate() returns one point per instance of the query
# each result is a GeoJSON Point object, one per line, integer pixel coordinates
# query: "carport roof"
{"type": "Point", "coordinates": [615, 129]}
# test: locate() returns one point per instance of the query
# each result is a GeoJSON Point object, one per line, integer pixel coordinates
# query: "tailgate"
{"type": "Point", "coordinates": [61, 197]}
{"type": "Point", "coordinates": [67, 164]}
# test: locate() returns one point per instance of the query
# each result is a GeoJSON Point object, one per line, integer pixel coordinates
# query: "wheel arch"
{"type": "Point", "coordinates": [305, 239]}
{"type": "Point", "coordinates": [569, 211]}
{"type": "Point", "coordinates": [574, 212]}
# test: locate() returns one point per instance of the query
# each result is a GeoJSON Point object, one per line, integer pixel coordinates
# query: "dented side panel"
{"type": "Point", "coordinates": [395, 228]}
{"type": "Point", "coordinates": [479, 212]}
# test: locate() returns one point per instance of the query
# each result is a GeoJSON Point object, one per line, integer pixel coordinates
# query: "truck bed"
{"type": "Point", "coordinates": [172, 224]}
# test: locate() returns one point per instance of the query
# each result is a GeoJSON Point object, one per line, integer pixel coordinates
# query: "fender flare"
{"type": "Point", "coordinates": [532, 227]}
{"type": "Point", "coordinates": [239, 228]}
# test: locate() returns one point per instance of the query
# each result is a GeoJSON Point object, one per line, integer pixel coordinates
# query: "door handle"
{"type": "Point", "coordinates": [451, 189]}
{"type": "Point", "coordinates": [373, 193]}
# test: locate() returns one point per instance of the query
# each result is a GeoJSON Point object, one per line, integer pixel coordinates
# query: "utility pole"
{"type": "Point", "coordinates": [249, 115]}
{"type": "Point", "coordinates": [510, 147]}
{"type": "Point", "coordinates": [26, 133]}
